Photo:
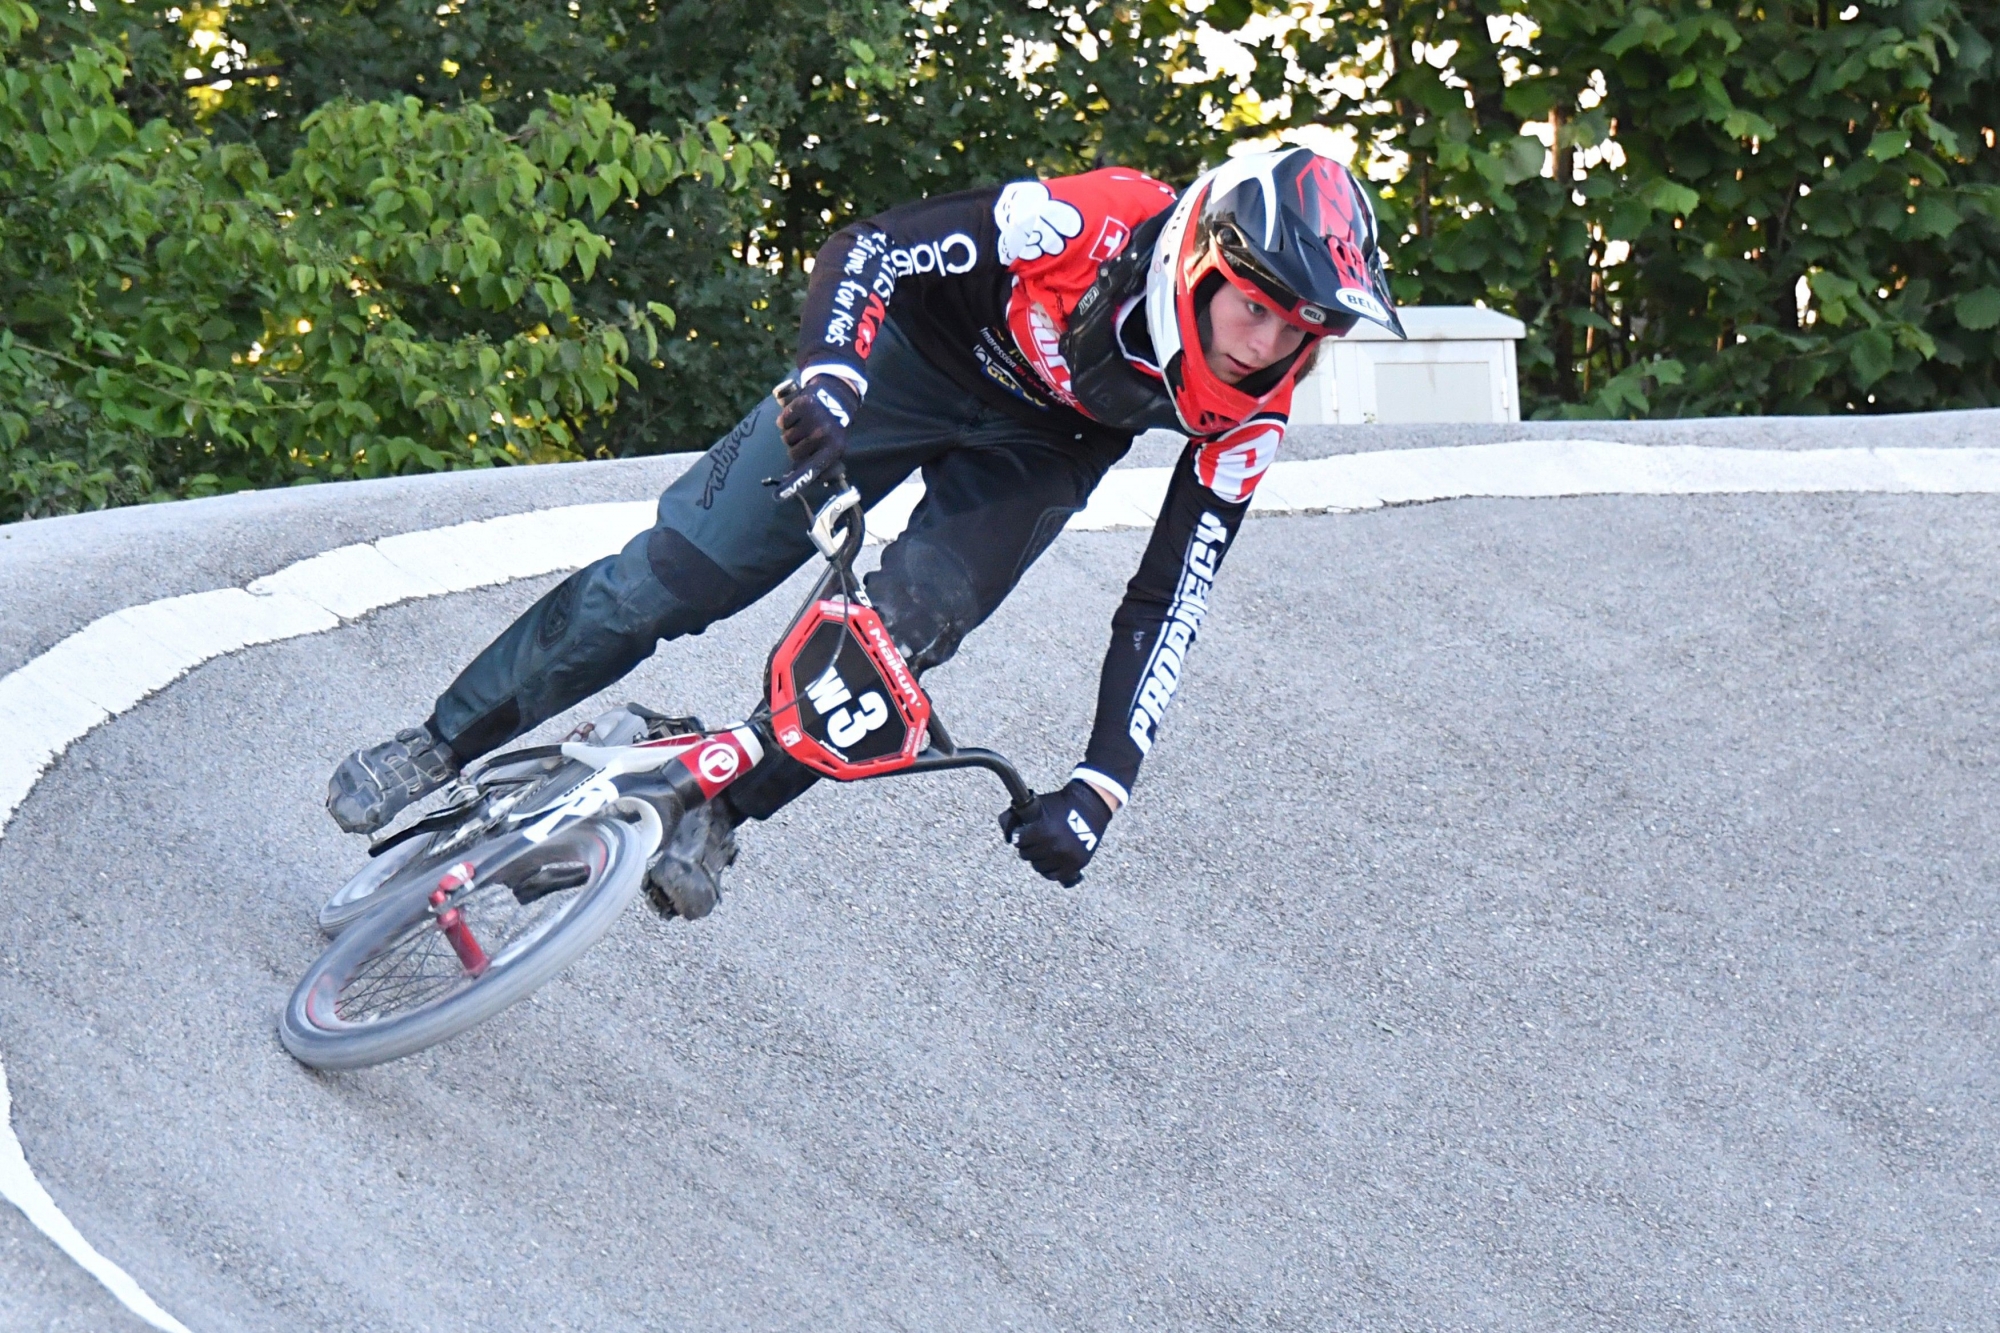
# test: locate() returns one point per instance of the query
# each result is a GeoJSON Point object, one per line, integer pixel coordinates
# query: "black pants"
{"type": "Point", "coordinates": [997, 491]}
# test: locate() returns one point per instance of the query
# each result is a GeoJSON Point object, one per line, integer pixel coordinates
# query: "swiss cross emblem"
{"type": "Point", "coordinates": [1111, 239]}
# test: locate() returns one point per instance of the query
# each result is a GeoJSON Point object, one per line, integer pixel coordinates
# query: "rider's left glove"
{"type": "Point", "coordinates": [814, 424]}
{"type": "Point", "coordinates": [1061, 833]}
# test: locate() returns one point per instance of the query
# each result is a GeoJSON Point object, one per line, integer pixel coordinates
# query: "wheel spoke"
{"type": "Point", "coordinates": [418, 968]}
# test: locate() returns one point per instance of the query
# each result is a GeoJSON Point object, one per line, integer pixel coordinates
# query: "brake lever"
{"type": "Point", "coordinates": [831, 543]}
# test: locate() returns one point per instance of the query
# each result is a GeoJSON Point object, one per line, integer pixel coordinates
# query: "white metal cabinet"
{"type": "Point", "coordinates": [1458, 365]}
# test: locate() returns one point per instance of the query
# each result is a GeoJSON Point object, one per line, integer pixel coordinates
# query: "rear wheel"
{"type": "Point", "coordinates": [437, 953]}
{"type": "Point", "coordinates": [535, 783]}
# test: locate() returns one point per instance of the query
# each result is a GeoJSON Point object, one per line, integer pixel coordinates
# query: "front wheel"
{"type": "Point", "coordinates": [440, 954]}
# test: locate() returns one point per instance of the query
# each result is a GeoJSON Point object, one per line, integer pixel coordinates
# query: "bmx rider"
{"type": "Point", "coordinates": [1009, 343]}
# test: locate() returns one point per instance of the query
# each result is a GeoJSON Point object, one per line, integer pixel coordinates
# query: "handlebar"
{"type": "Point", "coordinates": [840, 545]}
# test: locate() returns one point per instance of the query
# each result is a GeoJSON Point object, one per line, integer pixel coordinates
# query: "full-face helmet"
{"type": "Point", "coordinates": [1292, 230]}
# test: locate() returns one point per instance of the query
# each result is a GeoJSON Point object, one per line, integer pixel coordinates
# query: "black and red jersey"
{"type": "Point", "coordinates": [985, 282]}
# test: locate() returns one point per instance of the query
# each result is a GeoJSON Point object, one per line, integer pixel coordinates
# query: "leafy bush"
{"type": "Point", "coordinates": [179, 320]}
{"type": "Point", "coordinates": [1749, 206]}
{"type": "Point", "coordinates": [1718, 206]}
{"type": "Point", "coordinates": [1709, 155]}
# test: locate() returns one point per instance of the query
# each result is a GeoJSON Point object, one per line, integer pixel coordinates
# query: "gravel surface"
{"type": "Point", "coordinates": [1540, 914]}
{"type": "Point", "coordinates": [40, 1288]}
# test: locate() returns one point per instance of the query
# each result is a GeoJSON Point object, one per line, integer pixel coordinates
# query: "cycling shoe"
{"type": "Point", "coordinates": [373, 786]}
{"type": "Point", "coordinates": [686, 881]}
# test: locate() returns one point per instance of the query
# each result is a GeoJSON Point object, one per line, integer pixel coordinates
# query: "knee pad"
{"type": "Point", "coordinates": [694, 580]}
{"type": "Point", "coordinates": [927, 601]}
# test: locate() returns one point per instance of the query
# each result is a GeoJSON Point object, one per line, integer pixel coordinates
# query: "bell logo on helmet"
{"type": "Point", "coordinates": [1361, 303]}
{"type": "Point", "coordinates": [1312, 314]}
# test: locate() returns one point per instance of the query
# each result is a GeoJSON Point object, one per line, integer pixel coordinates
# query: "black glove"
{"type": "Point", "coordinates": [814, 423]}
{"type": "Point", "coordinates": [1061, 831]}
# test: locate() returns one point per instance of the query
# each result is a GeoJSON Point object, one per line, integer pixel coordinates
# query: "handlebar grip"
{"type": "Point", "coordinates": [834, 479]}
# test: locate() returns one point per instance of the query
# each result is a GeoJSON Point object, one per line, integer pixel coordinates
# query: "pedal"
{"type": "Point", "coordinates": [551, 878]}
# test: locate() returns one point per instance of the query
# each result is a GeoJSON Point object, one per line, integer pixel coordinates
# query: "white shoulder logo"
{"type": "Point", "coordinates": [1033, 223]}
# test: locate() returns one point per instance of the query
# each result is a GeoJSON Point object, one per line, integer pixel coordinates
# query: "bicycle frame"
{"type": "Point", "coordinates": [839, 698]}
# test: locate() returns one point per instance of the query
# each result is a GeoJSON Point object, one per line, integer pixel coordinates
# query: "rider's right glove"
{"type": "Point", "coordinates": [1061, 832]}
{"type": "Point", "coordinates": [814, 424]}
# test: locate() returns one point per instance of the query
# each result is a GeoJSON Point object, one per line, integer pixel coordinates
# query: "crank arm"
{"type": "Point", "coordinates": [443, 819]}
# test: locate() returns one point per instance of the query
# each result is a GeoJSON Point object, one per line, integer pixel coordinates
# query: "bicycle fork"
{"type": "Point", "coordinates": [451, 921]}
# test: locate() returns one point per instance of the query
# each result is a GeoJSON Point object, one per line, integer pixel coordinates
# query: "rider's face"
{"type": "Point", "coordinates": [1244, 336]}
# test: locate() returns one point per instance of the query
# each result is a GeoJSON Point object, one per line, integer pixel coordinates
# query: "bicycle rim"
{"type": "Point", "coordinates": [383, 874]}
{"type": "Point", "coordinates": [398, 979]}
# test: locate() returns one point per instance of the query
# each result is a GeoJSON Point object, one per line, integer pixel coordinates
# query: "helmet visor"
{"type": "Point", "coordinates": [1238, 262]}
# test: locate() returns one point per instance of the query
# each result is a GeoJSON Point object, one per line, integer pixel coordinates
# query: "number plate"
{"type": "Point", "coordinates": [843, 702]}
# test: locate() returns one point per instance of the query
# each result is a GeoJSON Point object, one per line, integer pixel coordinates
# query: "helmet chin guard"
{"type": "Point", "coordinates": [1291, 230]}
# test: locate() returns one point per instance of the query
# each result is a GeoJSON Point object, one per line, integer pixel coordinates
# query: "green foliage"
{"type": "Point", "coordinates": [1710, 159]}
{"type": "Point", "coordinates": [179, 320]}
{"type": "Point", "coordinates": [482, 211]}
{"type": "Point", "coordinates": [1711, 154]}
{"type": "Point", "coordinates": [867, 104]}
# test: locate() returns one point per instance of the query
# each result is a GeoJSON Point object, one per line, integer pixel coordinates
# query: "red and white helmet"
{"type": "Point", "coordinates": [1290, 229]}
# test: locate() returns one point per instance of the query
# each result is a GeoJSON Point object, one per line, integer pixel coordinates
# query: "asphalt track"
{"type": "Point", "coordinates": [1568, 913]}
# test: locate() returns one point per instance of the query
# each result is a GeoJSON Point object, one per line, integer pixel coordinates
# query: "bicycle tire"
{"type": "Point", "coordinates": [365, 890]}
{"type": "Point", "coordinates": [403, 932]}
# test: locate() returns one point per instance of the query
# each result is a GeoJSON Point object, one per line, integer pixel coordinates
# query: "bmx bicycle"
{"type": "Point", "coordinates": [536, 851]}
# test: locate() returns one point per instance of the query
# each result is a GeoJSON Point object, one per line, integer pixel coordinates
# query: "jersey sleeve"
{"type": "Point", "coordinates": [1231, 464]}
{"type": "Point", "coordinates": [866, 266]}
{"type": "Point", "coordinates": [1155, 626]}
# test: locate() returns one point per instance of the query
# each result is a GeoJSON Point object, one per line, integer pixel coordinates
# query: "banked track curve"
{"type": "Point", "coordinates": [119, 660]}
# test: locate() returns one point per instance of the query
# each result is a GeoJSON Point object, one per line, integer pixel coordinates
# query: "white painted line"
{"type": "Point", "coordinates": [349, 581]}
{"type": "Point", "coordinates": [1546, 469]}
{"type": "Point", "coordinates": [110, 665]}
{"type": "Point", "coordinates": [20, 1188]}
{"type": "Point", "coordinates": [1126, 498]}
{"type": "Point", "coordinates": [891, 513]}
